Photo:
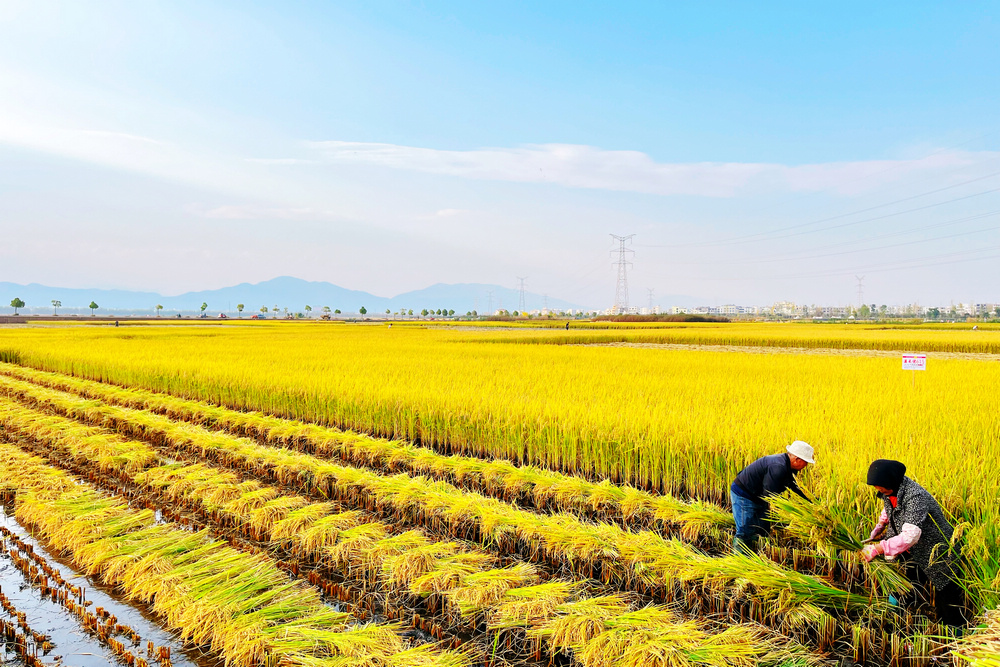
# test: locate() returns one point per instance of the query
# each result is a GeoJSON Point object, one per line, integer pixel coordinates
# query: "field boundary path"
{"type": "Point", "coordinates": [818, 351]}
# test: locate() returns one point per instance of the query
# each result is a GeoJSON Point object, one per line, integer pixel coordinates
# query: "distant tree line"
{"type": "Point", "coordinates": [682, 317]}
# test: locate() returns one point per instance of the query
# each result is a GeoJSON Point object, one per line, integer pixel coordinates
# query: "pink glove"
{"type": "Point", "coordinates": [883, 521]}
{"type": "Point", "coordinates": [871, 550]}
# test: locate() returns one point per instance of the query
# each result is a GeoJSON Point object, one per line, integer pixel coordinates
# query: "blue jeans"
{"type": "Point", "coordinates": [751, 521]}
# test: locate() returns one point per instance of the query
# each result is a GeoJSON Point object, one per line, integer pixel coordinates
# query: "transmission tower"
{"type": "Point", "coordinates": [861, 289]}
{"type": "Point", "coordinates": [650, 290]}
{"type": "Point", "coordinates": [520, 301]}
{"type": "Point", "coordinates": [489, 296]}
{"type": "Point", "coordinates": [621, 290]}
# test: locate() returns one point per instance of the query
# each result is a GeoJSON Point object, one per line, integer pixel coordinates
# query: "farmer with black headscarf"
{"type": "Point", "coordinates": [913, 527]}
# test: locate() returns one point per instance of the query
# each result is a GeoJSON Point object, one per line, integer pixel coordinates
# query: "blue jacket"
{"type": "Point", "coordinates": [765, 476]}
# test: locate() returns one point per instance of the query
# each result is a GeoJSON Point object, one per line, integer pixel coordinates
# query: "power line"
{"type": "Point", "coordinates": [882, 217]}
{"type": "Point", "coordinates": [798, 256]}
{"type": "Point", "coordinates": [621, 289]}
{"type": "Point", "coordinates": [751, 237]}
{"type": "Point", "coordinates": [899, 165]}
{"type": "Point", "coordinates": [770, 235]}
{"type": "Point", "coordinates": [902, 265]}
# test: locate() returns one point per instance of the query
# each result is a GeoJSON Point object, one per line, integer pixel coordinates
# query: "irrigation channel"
{"type": "Point", "coordinates": [60, 616]}
{"type": "Point", "coordinates": [503, 563]}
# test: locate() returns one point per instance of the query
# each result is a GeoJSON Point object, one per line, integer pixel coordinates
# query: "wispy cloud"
{"type": "Point", "coordinates": [633, 171]}
{"type": "Point", "coordinates": [279, 160]}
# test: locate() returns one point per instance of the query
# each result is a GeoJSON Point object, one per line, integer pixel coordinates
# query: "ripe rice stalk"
{"type": "Point", "coordinates": [353, 542]}
{"type": "Point", "coordinates": [428, 655]}
{"type": "Point", "coordinates": [299, 520]}
{"type": "Point", "coordinates": [359, 641]}
{"type": "Point", "coordinates": [981, 648]}
{"type": "Point", "coordinates": [263, 519]}
{"type": "Point", "coordinates": [449, 572]}
{"type": "Point", "coordinates": [484, 589]}
{"type": "Point", "coordinates": [325, 532]}
{"type": "Point", "coordinates": [251, 500]}
{"type": "Point", "coordinates": [532, 606]}
{"type": "Point", "coordinates": [220, 496]}
{"type": "Point", "coordinates": [636, 639]}
{"type": "Point", "coordinates": [371, 560]}
{"type": "Point", "coordinates": [400, 570]}
{"type": "Point", "coordinates": [823, 527]}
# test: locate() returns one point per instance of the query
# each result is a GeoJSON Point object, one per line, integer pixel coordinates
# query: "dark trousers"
{"type": "Point", "coordinates": [949, 600]}
{"type": "Point", "coordinates": [949, 603]}
{"type": "Point", "coordinates": [751, 521]}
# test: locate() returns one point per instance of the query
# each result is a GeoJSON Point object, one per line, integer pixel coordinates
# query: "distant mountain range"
{"type": "Point", "coordinates": [283, 292]}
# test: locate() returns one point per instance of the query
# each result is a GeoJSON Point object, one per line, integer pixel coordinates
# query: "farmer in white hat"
{"type": "Point", "coordinates": [768, 475]}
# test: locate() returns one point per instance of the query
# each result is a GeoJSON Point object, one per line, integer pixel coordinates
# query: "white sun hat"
{"type": "Point", "coordinates": [803, 450]}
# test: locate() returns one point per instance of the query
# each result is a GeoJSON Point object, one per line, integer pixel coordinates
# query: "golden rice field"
{"type": "Point", "coordinates": [499, 495]}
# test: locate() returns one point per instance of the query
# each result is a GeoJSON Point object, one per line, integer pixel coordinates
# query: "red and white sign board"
{"type": "Point", "coordinates": [914, 362]}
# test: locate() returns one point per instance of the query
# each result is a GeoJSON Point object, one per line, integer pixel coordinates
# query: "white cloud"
{"type": "Point", "coordinates": [280, 160]}
{"type": "Point", "coordinates": [632, 171]}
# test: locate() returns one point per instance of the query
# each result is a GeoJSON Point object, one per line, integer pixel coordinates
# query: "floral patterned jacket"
{"type": "Point", "coordinates": [917, 526]}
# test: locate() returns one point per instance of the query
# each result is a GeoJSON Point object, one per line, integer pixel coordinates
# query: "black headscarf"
{"type": "Point", "coordinates": [886, 473]}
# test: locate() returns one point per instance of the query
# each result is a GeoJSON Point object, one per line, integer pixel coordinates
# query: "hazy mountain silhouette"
{"type": "Point", "coordinates": [283, 292]}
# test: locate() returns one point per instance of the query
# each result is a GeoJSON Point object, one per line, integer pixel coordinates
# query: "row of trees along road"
{"type": "Point", "coordinates": [16, 303]}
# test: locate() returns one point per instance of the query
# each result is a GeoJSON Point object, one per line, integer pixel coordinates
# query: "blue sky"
{"type": "Point", "coordinates": [386, 146]}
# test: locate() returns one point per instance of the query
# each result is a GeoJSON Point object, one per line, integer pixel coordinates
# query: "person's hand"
{"type": "Point", "coordinates": [876, 531]}
{"type": "Point", "coordinates": [871, 550]}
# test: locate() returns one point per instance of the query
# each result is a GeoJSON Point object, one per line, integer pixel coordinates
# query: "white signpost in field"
{"type": "Point", "coordinates": [914, 362]}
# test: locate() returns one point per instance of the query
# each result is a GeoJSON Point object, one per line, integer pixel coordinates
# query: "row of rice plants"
{"type": "Point", "coordinates": [84, 441]}
{"type": "Point", "coordinates": [955, 339]}
{"type": "Point", "coordinates": [696, 521]}
{"type": "Point", "coordinates": [601, 631]}
{"type": "Point", "coordinates": [241, 606]}
{"type": "Point", "coordinates": [641, 561]}
{"type": "Point", "coordinates": [500, 599]}
{"type": "Point", "coordinates": [684, 421]}
{"type": "Point", "coordinates": [538, 487]}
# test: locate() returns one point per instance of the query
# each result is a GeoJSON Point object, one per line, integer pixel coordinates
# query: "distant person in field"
{"type": "Point", "coordinates": [914, 529]}
{"type": "Point", "coordinates": [768, 475]}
